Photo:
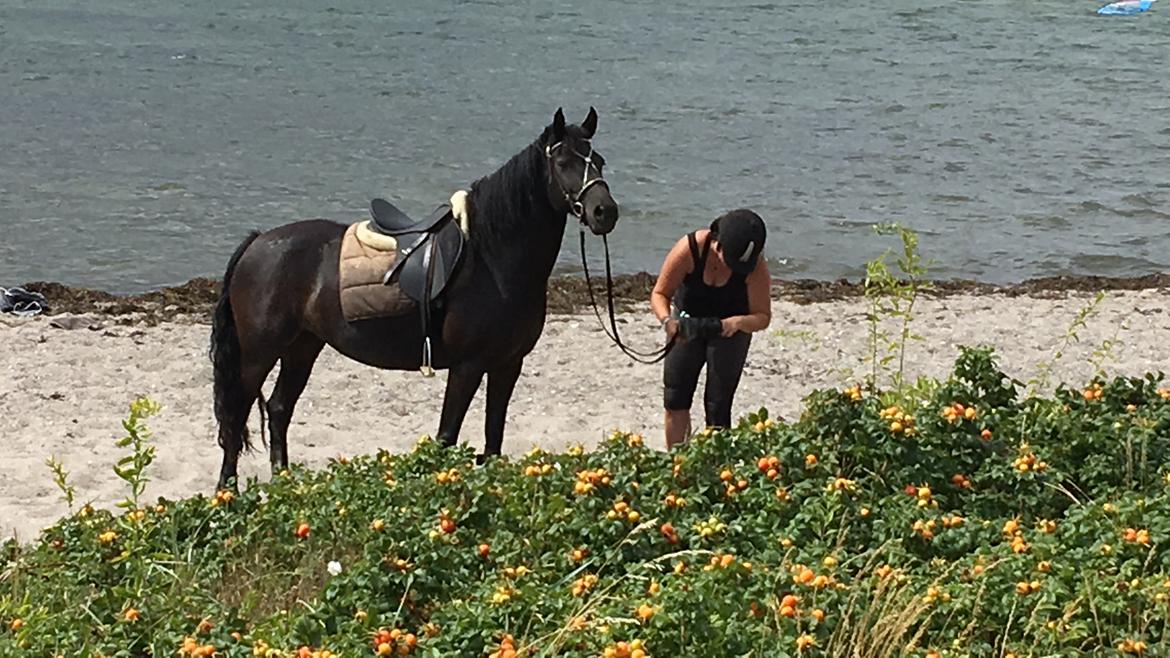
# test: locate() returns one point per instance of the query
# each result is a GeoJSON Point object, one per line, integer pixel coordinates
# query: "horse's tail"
{"type": "Point", "coordinates": [228, 388]}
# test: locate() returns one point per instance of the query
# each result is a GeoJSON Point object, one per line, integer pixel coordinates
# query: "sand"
{"type": "Point", "coordinates": [65, 391]}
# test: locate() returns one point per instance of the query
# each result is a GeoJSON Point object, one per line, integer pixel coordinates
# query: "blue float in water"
{"type": "Point", "coordinates": [1125, 7]}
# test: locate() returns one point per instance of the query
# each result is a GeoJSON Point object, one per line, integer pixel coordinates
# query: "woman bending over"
{"type": "Point", "coordinates": [719, 286]}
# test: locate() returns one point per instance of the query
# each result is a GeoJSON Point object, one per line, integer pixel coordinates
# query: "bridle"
{"type": "Point", "coordinates": [578, 210]}
{"type": "Point", "coordinates": [574, 200]}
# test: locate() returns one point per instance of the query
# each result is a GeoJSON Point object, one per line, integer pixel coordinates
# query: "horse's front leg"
{"type": "Point", "coordinates": [501, 383]}
{"type": "Point", "coordinates": [462, 383]}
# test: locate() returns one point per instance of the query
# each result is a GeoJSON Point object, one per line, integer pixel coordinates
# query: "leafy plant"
{"type": "Point", "coordinates": [61, 479]}
{"type": "Point", "coordinates": [1104, 352]}
{"type": "Point", "coordinates": [132, 467]}
{"type": "Point", "coordinates": [866, 528]}
{"type": "Point", "coordinates": [891, 296]}
{"type": "Point", "coordinates": [1043, 377]}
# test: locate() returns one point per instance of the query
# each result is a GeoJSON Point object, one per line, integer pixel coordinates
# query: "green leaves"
{"type": "Point", "coordinates": [132, 468]}
{"type": "Point", "coordinates": [891, 298]}
{"type": "Point", "coordinates": [61, 479]}
{"type": "Point", "coordinates": [889, 541]}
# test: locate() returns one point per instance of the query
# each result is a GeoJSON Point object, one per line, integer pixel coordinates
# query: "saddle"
{"type": "Point", "coordinates": [389, 220]}
{"type": "Point", "coordinates": [429, 254]}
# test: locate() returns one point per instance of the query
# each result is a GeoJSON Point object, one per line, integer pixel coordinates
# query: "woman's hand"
{"type": "Point", "coordinates": [671, 328]}
{"type": "Point", "coordinates": [731, 326]}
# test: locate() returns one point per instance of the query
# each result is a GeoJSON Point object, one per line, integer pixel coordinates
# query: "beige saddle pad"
{"type": "Point", "coordinates": [366, 257]}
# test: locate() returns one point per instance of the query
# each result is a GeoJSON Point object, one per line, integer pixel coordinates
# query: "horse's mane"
{"type": "Point", "coordinates": [504, 201]}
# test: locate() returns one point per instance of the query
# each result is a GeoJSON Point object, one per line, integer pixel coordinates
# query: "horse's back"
{"type": "Point", "coordinates": [307, 232]}
{"type": "Point", "coordinates": [290, 252]}
{"type": "Point", "coordinates": [282, 271]}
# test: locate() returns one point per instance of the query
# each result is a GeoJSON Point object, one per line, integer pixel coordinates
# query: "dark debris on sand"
{"type": "Point", "coordinates": [195, 299]}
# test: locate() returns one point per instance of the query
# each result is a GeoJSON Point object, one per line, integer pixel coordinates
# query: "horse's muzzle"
{"type": "Point", "coordinates": [601, 218]}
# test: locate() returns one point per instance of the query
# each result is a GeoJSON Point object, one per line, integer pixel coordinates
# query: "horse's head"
{"type": "Point", "coordinates": [576, 173]}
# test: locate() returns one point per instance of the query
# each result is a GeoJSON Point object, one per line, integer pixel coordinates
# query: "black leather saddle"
{"type": "Point", "coordinates": [389, 220]}
{"type": "Point", "coordinates": [429, 254]}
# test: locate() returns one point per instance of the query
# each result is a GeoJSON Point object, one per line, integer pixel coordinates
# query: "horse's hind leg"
{"type": "Point", "coordinates": [233, 428]}
{"type": "Point", "coordinates": [296, 364]}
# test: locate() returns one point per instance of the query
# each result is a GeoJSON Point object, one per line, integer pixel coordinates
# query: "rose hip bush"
{"type": "Point", "coordinates": [958, 519]}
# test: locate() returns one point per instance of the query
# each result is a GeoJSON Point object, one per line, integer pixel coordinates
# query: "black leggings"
{"type": "Point", "coordinates": [724, 358]}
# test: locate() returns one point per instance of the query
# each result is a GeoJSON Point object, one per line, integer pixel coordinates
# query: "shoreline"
{"type": "Point", "coordinates": [194, 300]}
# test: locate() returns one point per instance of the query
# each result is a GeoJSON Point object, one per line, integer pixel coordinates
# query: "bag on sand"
{"type": "Point", "coordinates": [19, 301]}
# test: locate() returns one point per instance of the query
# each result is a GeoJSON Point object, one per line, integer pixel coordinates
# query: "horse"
{"type": "Point", "coordinates": [279, 301]}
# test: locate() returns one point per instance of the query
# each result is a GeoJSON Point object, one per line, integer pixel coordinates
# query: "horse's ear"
{"type": "Point", "coordinates": [589, 126]}
{"type": "Point", "coordinates": [558, 126]}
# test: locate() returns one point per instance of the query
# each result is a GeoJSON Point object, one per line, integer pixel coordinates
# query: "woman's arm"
{"type": "Point", "coordinates": [759, 289]}
{"type": "Point", "coordinates": [674, 269]}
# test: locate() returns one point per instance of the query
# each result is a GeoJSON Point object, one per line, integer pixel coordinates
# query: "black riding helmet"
{"type": "Point", "coordinates": [741, 234]}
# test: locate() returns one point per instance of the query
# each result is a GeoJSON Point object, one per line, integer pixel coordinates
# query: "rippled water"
{"type": "Point", "coordinates": [140, 140]}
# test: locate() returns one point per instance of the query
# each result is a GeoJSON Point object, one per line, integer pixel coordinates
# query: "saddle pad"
{"type": "Point", "coordinates": [374, 240]}
{"type": "Point", "coordinates": [365, 259]}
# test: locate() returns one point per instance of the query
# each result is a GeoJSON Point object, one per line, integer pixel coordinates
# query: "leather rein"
{"type": "Point", "coordinates": [648, 358]}
{"type": "Point", "coordinates": [577, 208]}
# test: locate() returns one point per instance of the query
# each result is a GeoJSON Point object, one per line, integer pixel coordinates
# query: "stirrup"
{"type": "Point", "coordinates": [426, 369]}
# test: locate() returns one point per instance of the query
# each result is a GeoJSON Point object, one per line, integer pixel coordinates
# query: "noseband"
{"type": "Point", "coordinates": [574, 200]}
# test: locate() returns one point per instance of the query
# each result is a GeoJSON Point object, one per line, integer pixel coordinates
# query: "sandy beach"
{"type": "Point", "coordinates": [66, 389]}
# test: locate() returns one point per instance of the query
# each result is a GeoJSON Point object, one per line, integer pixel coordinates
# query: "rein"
{"type": "Point", "coordinates": [648, 358]}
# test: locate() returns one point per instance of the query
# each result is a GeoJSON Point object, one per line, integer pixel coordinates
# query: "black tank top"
{"type": "Point", "coordinates": [701, 300]}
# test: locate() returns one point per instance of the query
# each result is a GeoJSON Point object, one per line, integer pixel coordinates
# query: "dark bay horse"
{"type": "Point", "coordinates": [280, 299]}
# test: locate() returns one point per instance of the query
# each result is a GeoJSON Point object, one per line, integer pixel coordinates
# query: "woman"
{"type": "Point", "coordinates": [720, 288]}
